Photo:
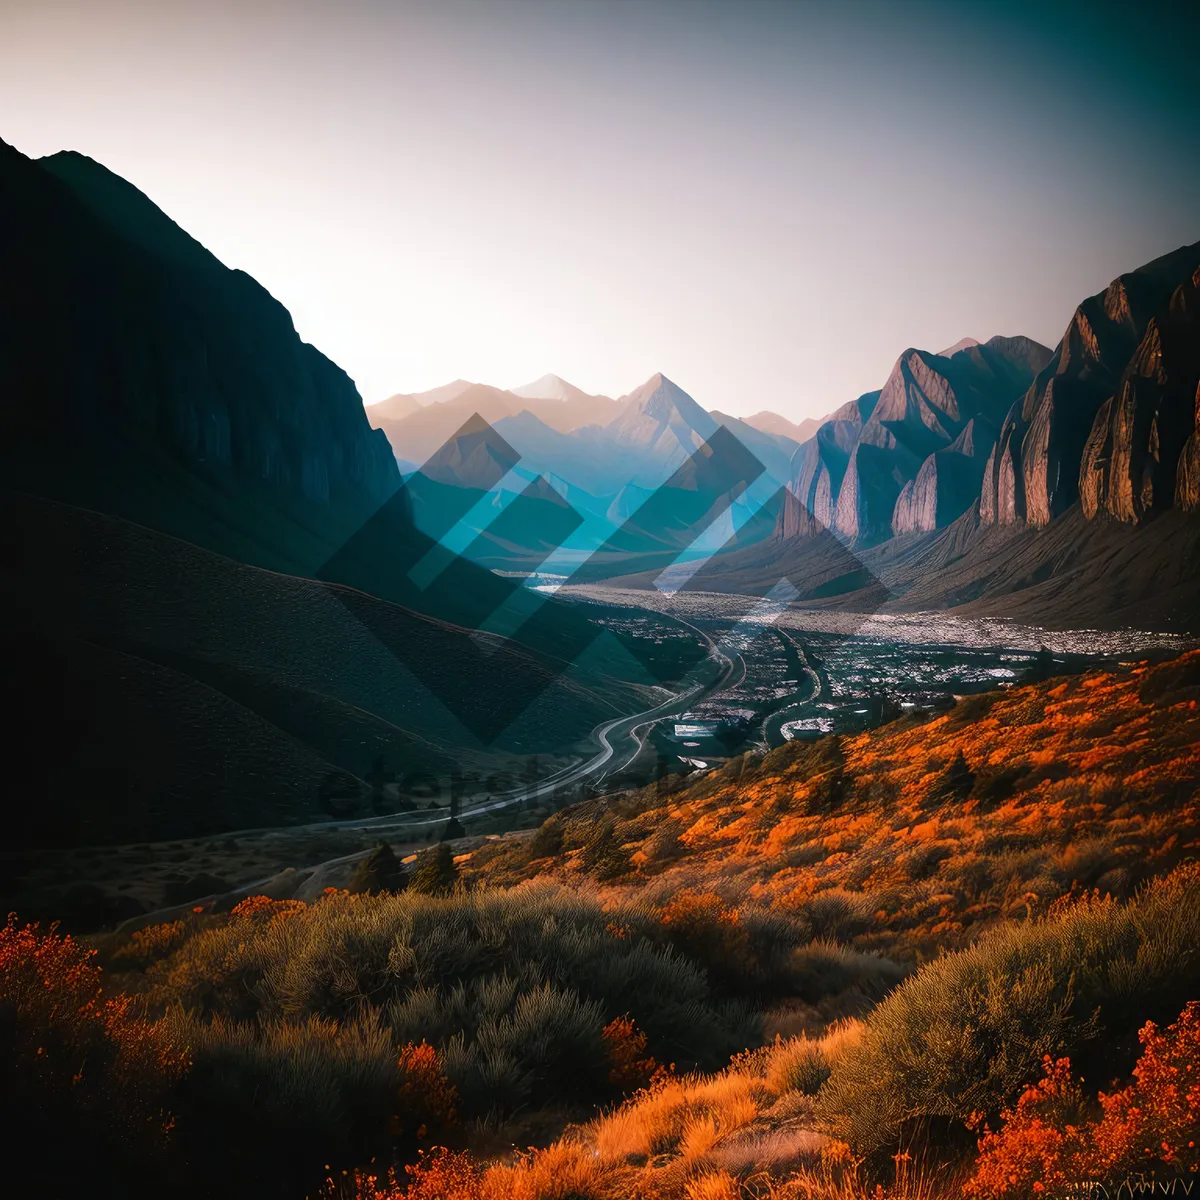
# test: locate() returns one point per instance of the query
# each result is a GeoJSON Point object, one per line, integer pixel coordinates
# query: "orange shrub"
{"type": "Point", "coordinates": [427, 1097]}
{"type": "Point", "coordinates": [439, 1175]}
{"type": "Point", "coordinates": [153, 942]}
{"type": "Point", "coordinates": [261, 909]}
{"type": "Point", "coordinates": [630, 1067]}
{"type": "Point", "coordinates": [86, 1070]}
{"type": "Point", "coordinates": [1048, 1141]}
{"type": "Point", "coordinates": [705, 927]}
{"type": "Point", "coordinates": [998, 807]}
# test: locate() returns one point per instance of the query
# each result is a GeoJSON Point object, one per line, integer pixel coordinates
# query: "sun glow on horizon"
{"type": "Point", "coordinates": [766, 203]}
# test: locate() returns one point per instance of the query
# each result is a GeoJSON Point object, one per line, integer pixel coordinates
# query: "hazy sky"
{"type": "Point", "coordinates": [768, 202]}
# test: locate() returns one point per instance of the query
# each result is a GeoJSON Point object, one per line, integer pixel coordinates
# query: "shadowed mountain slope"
{"type": "Point", "coordinates": [184, 693]}
{"type": "Point", "coordinates": [164, 425]}
{"type": "Point", "coordinates": [140, 375]}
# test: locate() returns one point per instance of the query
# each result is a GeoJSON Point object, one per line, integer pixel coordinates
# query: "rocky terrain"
{"type": "Point", "coordinates": [1107, 420]}
{"type": "Point", "coordinates": [909, 458]}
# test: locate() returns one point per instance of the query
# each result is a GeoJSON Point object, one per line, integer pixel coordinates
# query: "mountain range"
{"type": "Point", "coordinates": [606, 458]}
{"type": "Point", "coordinates": [1008, 480]}
{"type": "Point", "coordinates": [591, 442]}
{"type": "Point", "coordinates": [910, 457]}
{"type": "Point", "coordinates": [210, 540]}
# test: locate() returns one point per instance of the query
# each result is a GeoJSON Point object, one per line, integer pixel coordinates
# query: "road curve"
{"type": "Point", "coordinates": [617, 740]}
{"type": "Point", "coordinates": [818, 686]}
{"type": "Point", "coordinates": [611, 756]}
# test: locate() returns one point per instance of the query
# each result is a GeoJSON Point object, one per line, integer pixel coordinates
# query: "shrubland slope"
{"type": "Point", "coordinates": [914, 836]}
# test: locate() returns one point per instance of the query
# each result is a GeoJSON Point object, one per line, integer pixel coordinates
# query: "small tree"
{"type": "Point", "coordinates": [1041, 668]}
{"type": "Point", "coordinates": [379, 872]}
{"type": "Point", "coordinates": [452, 829]}
{"type": "Point", "coordinates": [436, 871]}
{"type": "Point", "coordinates": [956, 781]}
{"type": "Point", "coordinates": [547, 840]}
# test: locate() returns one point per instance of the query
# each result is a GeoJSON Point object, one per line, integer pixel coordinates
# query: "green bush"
{"type": "Point", "coordinates": [823, 969]}
{"type": "Point", "coordinates": [968, 1031]}
{"type": "Point", "coordinates": [836, 914]}
{"type": "Point", "coordinates": [465, 966]}
{"type": "Point", "coordinates": [269, 1105]}
{"type": "Point", "coordinates": [799, 1066]}
{"type": "Point", "coordinates": [547, 1041]}
{"type": "Point", "coordinates": [380, 871]}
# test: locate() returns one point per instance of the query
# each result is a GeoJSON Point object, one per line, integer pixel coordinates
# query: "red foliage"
{"type": "Point", "coordinates": [630, 1067]}
{"type": "Point", "coordinates": [262, 909]}
{"type": "Point", "coordinates": [443, 1175]}
{"type": "Point", "coordinates": [439, 1175]}
{"type": "Point", "coordinates": [427, 1097]}
{"type": "Point", "coordinates": [68, 1043]}
{"type": "Point", "coordinates": [1048, 1141]}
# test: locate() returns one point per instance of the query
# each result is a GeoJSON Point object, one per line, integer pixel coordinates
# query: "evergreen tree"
{"type": "Point", "coordinates": [955, 782]}
{"type": "Point", "coordinates": [603, 854]}
{"type": "Point", "coordinates": [547, 840]}
{"type": "Point", "coordinates": [381, 871]}
{"type": "Point", "coordinates": [436, 872]}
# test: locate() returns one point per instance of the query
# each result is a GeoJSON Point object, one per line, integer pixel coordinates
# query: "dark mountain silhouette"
{"type": "Point", "coordinates": [166, 436]}
{"type": "Point", "coordinates": [170, 691]}
{"type": "Point", "coordinates": [140, 376]}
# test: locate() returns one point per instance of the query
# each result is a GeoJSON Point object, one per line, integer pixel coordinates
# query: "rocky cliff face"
{"type": "Point", "coordinates": [1107, 421]}
{"type": "Point", "coordinates": [947, 483]}
{"type": "Point", "coordinates": [1134, 462]}
{"type": "Point", "coordinates": [818, 468]}
{"type": "Point", "coordinates": [1187, 472]}
{"type": "Point", "coordinates": [910, 457]}
{"type": "Point", "coordinates": [116, 322]}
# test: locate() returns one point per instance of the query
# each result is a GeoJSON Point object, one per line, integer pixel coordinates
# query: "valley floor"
{"type": "Point", "coordinates": [856, 963]}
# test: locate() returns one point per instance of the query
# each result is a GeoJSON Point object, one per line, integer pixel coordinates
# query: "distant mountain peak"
{"type": "Point", "coordinates": [767, 421]}
{"type": "Point", "coordinates": [962, 344]}
{"type": "Point", "coordinates": [548, 387]}
{"type": "Point", "coordinates": [660, 417]}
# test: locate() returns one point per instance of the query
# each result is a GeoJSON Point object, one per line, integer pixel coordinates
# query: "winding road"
{"type": "Point", "coordinates": [619, 740]}
{"type": "Point", "coordinates": [622, 739]}
{"type": "Point", "coordinates": [773, 724]}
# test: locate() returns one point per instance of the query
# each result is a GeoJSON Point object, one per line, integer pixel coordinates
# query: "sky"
{"type": "Point", "coordinates": [767, 202]}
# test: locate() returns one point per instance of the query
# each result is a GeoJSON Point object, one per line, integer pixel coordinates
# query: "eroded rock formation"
{"type": "Point", "coordinates": [910, 457]}
{"type": "Point", "coordinates": [1106, 422]}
